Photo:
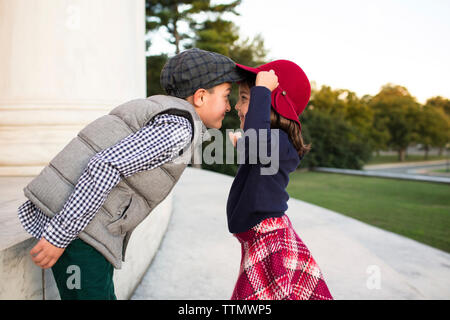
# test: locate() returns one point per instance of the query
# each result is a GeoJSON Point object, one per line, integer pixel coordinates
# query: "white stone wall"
{"type": "Point", "coordinates": [63, 63]}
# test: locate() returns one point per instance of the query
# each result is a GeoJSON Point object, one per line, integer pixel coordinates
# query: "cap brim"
{"type": "Point", "coordinates": [235, 75]}
{"type": "Point", "coordinates": [250, 69]}
{"type": "Point", "coordinates": [238, 75]}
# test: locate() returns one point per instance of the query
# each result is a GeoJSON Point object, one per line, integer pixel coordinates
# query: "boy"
{"type": "Point", "coordinates": [85, 204]}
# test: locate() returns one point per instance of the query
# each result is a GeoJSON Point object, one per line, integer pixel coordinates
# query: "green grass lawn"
{"type": "Point", "coordinates": [418, 210]}
{"type": "Point", "coordinates": [410, 158]}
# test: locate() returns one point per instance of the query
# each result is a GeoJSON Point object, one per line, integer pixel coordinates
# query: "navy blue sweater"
{"type": "Point", "coordinates": [254, 197]}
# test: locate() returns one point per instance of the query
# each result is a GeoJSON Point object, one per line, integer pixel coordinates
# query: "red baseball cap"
{"type": "Point", "coordinates": [291, 96]}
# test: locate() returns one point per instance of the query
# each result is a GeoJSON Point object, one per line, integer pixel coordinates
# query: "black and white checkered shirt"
{"type": "Point", "coordinates": [155, 144]}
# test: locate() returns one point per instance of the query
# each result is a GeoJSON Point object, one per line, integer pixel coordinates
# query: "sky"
{"type": "Point", "coordinates": [358, 45]}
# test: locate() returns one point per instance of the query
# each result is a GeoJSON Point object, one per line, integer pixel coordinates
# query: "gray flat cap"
{"type": "Point", "coordinates": [193, 69]}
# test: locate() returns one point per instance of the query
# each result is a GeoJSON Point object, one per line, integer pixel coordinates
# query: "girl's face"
{"type": "Point", "coordinates": [243, 102]}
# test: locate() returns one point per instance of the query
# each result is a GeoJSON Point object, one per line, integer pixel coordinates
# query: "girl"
{"type": "Point", "coordinates": [275, 263]}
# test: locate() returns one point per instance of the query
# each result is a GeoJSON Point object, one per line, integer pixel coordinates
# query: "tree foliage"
{"type": "Point", "coordinates": [172, 14]}
{"type": "Point", "coordinates": [439, 103]}
{"type": "Point", "coordinates": [343, 128]}
{"type": "Point", "coordinates": [433, 128]}
{"type": "Point", "coordinates": [392, 119]}
{"type": "Point", "coordinates": [398, 111]}
{"type": "Point", "coordinates": [332, 141]}
{"type": "Point", "coordinates": [155, 64]}
{"type": "Point", "coordinates": [338, 125]}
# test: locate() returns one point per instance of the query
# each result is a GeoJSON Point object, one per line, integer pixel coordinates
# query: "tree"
{"type": "Point", "coordinates": [171, 14]}
{"type": "Point", "coordinates": [327, 100]}
{"type": "Point", "coordinates": [333, 141]}
{"type": "Point", "coordinates": [216, 35]}
{"type": "Point", "coordinates": [345, 104]}
{"type": "Point", "coordinates": [154, 66]}
{"type": "Point", "coordinates": [440, 103]}
{"type": "Point", "coordinates": [250, 51]}
{"type": "Point", "coordinates": [397, 110]}
{"type": "Point", "coordinates": [433, 128]}
{"type": "Point", "coordinates": [442, 108]}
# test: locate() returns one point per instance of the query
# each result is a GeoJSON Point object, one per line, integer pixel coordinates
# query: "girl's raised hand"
{"type": "Point", "coordinates": [267, 79]}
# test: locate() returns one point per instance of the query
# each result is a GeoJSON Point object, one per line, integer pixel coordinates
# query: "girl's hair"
{"type": "Point", "coordinates": [289, 126]}
{"type": "Point", "coordinates": [292, 129]}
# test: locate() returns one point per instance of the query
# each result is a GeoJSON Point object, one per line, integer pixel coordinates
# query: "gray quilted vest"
{"type": "Point", "coordinates": [134, 197]}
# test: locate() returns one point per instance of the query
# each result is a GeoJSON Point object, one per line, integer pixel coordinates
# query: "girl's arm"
{"type": "Point", "coordinates": [257, 130]}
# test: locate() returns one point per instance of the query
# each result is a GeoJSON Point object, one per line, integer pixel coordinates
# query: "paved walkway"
{"type": "Point", "coordinates": [423, 168]}
{"type": "Point", "coordinates": [386, 174]}
{"type": "Point", "coordinates": [397, 165]}
{"type": "Point", "coordinates": [199, 259]}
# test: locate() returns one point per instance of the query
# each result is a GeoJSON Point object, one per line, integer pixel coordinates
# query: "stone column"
{"type": "Point", "coordinates": [63, 63]}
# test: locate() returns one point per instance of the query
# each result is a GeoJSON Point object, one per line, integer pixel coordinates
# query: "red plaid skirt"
{"type": "Point", "coordinates": [277, 265]}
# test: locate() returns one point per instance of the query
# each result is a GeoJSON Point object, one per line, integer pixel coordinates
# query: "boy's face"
{"type": "Point", "coordinates": [215, 105]}
{"type": "Point", "coordinates": [243, 102]}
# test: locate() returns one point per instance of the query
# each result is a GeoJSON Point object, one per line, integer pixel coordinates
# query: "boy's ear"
{"type": "Point", "coordinates": [199, 97]}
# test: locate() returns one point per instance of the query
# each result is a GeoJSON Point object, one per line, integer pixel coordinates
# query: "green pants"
{"type": "Point", "coordinates": [82, 273]}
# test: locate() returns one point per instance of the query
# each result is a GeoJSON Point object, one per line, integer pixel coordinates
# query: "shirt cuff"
{"type": "Point", "coordinates": [57, 235]}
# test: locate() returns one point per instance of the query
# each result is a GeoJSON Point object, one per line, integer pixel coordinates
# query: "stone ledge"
{"type": "Point", "coordinates": [21, 279]}
{"type": "Point", "coordinates": [11, 231]}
